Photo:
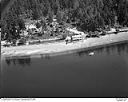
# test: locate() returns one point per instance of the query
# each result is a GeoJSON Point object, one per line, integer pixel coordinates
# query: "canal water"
{"type": "Point", "coordinates": [105, 74]}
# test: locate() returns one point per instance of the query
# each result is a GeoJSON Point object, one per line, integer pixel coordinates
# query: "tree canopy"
{"type": "Point", "coordinates": [85, 14]}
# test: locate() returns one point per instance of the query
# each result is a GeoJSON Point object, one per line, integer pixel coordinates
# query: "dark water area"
{"type": "Point", "coordinates": [105, 74]}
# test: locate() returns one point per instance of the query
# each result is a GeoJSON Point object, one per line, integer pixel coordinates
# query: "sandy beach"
{"type": "Point", "coordinates": [56, 47]}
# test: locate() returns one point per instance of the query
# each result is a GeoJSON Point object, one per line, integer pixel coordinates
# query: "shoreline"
{"type": "Point", "coordinates": [56, 48]}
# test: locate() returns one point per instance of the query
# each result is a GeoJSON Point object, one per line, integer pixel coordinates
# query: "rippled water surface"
{"type": "Point", "coordinates": [105, 74]}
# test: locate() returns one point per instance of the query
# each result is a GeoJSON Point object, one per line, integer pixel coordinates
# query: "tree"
{"type": "Point", "coordinates": [21, 24]}
{"type": "Point", "coordinates": [87, 14]}
{"type": "Point", "coordinates": [38, 25]}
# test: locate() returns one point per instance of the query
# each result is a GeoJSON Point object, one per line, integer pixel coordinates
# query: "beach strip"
{"type": "Point", "coordinates": [58, 47]}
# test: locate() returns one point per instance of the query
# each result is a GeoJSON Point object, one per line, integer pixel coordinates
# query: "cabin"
{"type": "Point", "coordinates": [75, 34]}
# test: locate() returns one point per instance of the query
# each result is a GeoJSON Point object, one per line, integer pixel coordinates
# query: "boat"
{"type": "Point", "coordinates": [91, 54]}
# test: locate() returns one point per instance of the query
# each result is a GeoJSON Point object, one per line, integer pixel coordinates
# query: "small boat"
{"type": "Point", "coordinates": [91, 54]}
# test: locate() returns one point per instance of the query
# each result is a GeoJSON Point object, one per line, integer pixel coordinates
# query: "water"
{"type": "Point", "coordinates": [71, 75]}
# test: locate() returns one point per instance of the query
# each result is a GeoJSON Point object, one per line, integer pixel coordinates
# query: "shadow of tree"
{"type": "Point", "coordinates": [23, 61]}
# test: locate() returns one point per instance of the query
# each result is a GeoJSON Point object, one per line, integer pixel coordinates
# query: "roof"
{"type": "Point", "coordinates": [74, 30]}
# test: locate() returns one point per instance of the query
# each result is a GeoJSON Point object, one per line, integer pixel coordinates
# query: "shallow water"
{"type": "Point", "coordinates": [105, 74]}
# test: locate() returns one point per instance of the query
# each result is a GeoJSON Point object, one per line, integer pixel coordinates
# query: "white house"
{"type": "Point", "coordinates": [30, 26]}
{"type": "Point", "coordinates": [74, 30]}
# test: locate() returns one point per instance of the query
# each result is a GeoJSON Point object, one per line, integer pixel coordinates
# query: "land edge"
{"type": "Point", "coordinates": [48, 55]}
{"type": "Point", "coordinates": [72, 50]}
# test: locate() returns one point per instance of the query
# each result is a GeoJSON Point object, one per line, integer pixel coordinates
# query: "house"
{"type": "Point", "coordinates": [30, 26]}
{"type": "Point", "coordinates": [74, 30]}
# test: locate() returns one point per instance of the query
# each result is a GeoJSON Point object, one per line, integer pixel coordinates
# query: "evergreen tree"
{"type": "Point", "coordinates": [86, 14]}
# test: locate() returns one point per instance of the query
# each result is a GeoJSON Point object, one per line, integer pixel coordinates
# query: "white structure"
{"type": "Point", "coordinates": [74, 30]}
{"type": "Point", "coordinates": [30, 26]}
{"type": "Point", "coordinates": [112, 30]}
{"type": "Point", "coordinates": [78, 35]}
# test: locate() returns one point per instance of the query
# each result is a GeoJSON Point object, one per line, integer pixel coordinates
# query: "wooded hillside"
{"type": "Point", "coordinates": [86, 14]}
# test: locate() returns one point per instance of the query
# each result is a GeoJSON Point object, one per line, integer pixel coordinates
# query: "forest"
{"type": "Point", "coordinates": [87, 15]}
